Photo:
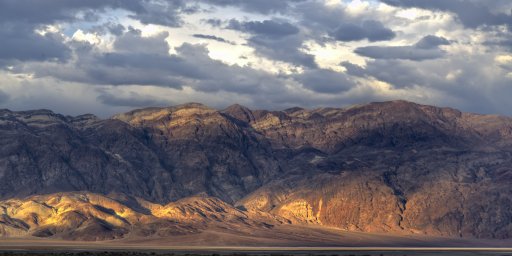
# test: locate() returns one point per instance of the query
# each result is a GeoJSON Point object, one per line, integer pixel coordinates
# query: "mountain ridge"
{"type": "Point", "coordinates": [367, 168]}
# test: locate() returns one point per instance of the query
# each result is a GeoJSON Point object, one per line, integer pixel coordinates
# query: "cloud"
{"type": "Point", "coordinates": [431, 42]}
{"type": "Point", "coordinates": [471, 14]}
{"type": "Point", "coordinates": [213, 22]}
{"type": "Point", "coordinates": [142, 66]}
{"type": "Point", "coordinates": [425, 49]}
{"type": "Point", "coordinates": [214, 38]}
{"type": "Point", "coordinates": [139, 60]}
{"type": "Point", "coordinates": [3, 97]}
{"type": "Point", "coordinates": [458, 81]}
{"type": "Point", "coordinates": [134, 42]}
{"type": "Point", "coordinates": [133, 99]}
{"type": "Point", "coordinates": [399, 52]}
{"type": "Point", "coordinates": [394, 72]}
{"type": "Point", "coordinates": [320, 17]}
{"type": "Point", "coordinates": [324, 81]}
{"type": "Point", "coordinates": [164, 12]}
{"type": "Point", "coordinates": [369, 29]}
{"type": "Point", "coordinates": [161, 12]}
{"type": "Point", "coordinates": [258, 6]}
{"type": "Point", "coordinates": [336, 22]}
{"type": "Point", "coordinates": [134, 60]}
{"type": "Point", "coordinates": [50, 11]}
{"type": "Point", "coordinates": [20, 43]}
{"type": "Point", "coordinates": [276, 40]}
{"type": "Point", "coordinates": [115, 29]}
{"type": "Point", "coordinates": [270, 28]}
{"type": "Point", "coordinates": [20, 20]}
{"type": "Point", "coordinates": [287, 49]}
{"type": "Point", "coordinates": [219, 76]}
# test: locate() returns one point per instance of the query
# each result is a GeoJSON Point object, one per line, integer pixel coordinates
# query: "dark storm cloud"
{"type": "Point", "coordinates": [270, 28]}
{"type": "Point", "coordinates": [219, 76]}
{"type": "Point", "coordinates": [141, 60]}
{"type": "Point", "coordinates": [426, 48]}
{"type": "Point", "coordinates": [470, 13]}
{"type": "Point", "coordinates": [281, 40]}
{"type": "Point", "coordinates": [399, 52]}
{"type": "Point", "coordinates": [164, 12]}
{"type": "Point", "coordinates": [115, 29]}
{"type": "Point", "coordinates": [214, 38]}
{"type": "Point", "coordinates": [259, 6]}
{"type": "Point", "coordinates": [132, 100]}
{"type": "Point", "coordinates": [49, 11]}
{"type": "Point", "coordinates": [138, 60]}
{"type": "Point", "coordinates": [161, 12]}
{"type": "Point", "coordinates": [430, 42]}
{"type": "Point", "coordinates": [135, 60]}
{"type": "Point", "coordinates": [286, 49]}
{"type": "Point", "coordinates": [319, 17]}
{"type": "Point", "coordinates": [394, 72]}
{"type": "Point", "coordinates": [133, 41]}
{"type": "Point", "coordinates": [20, 43]}
{"type": "Point", "coordinates": [335, 22]}
{"type": "Point", "coordinates": [128, 74]}
{"type": "Point", "coordinates": [369, 29]}
{"type": "Point", "coordinates": [466, 84]}
{"type": "Point", "coordinates": [277, 40]}
{"type": "Point", "coordinates": [279, 31]}
{"type": "Point", "coordinates": [19, 19]}
{"type": "Point", "coordinates": [456, 81]}
{"type": "Point", "coordinates": [324, 81]}
{"type": "Point", "coordinates": [213, 22]}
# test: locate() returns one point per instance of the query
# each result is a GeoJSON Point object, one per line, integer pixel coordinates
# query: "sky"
{"type": "Point", "coordinates": [111, 56]}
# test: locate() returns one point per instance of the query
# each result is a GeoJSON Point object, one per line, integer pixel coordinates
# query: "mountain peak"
{"type": "Point", "coordinates": [156, 113]}
{"type": "Point", "coordinates": [190, 105]}
{"type": "Point", "coordinates": [293, 110]}
{"type": "Point", "coordinates": [240, 112]}
{"type": "Point", "coordinates": [236, 106]}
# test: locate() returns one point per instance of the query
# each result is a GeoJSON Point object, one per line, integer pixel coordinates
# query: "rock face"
{"type": "Point", "coordinates": [395, 167]}
{"type": "Point", "coordinates": [158, 154]}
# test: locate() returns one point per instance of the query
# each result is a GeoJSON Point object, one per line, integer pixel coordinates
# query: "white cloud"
{"type": "Point", "coordinates": [503, 59]}
{"type": "Point", "coordinates": [357, 7]}
{"type": "Point", "coordinates": [91, 38]}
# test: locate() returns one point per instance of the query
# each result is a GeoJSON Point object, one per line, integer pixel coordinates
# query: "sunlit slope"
{"type": "Point", "coordinates": [88, 216]}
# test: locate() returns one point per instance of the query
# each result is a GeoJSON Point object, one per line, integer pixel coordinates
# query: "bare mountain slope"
{"type": "Point", "coordinates": [88, 216]}
{"type": "Point", "coordinates": [396, 167]}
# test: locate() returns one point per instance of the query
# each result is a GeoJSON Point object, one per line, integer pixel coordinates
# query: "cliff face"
{"type": "Point", "coordinates": [206, 150]}
{"type": "Point", "coordinates": [157, 154]}
{"type": "Point", "coordinates": [393, 167]}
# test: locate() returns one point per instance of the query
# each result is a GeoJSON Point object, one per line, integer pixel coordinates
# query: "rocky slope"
{"type": "Point", "coordinates": [88, 216]}
{"type": "Point", "coordinates": [394, 167]}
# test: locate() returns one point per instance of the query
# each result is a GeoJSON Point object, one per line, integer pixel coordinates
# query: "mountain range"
{"type": "Point", "coordinates": [396, 167]}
